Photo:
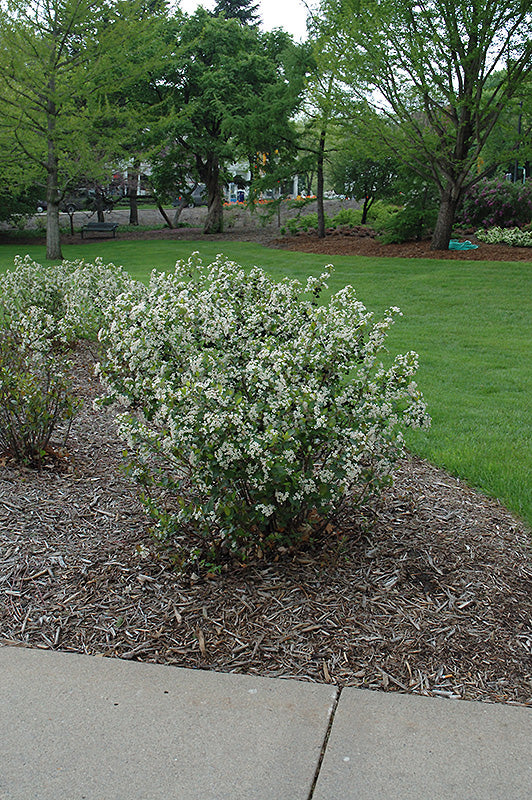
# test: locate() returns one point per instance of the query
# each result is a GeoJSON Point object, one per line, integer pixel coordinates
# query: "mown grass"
{"type": "Point", "coordinates": [470, 322]}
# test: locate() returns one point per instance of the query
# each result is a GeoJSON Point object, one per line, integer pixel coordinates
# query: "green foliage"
{"type": "Point", "coordinates": [412, 223]}
{"type": "Point", "coordinates": [223, 92]}
{"type": "Point", "coordinates": [417, 217]}
{"type": "Point", "coordinates": [303, 223]}
{"type": "Point", "coordinates": [382, 214]}
{"type": "Point", "coordinates": [18, 203]}
{"type": "Point", "coordinates": [57, 59]}
{"type": "Point", "coordinates": [498, 203]}
{"type": "Point", "coordinates": [245, 11]}
{"type": "Point", "coordinates": [509, 145]}
{"type": "Point", "coordinates": [35, 400]}
{"type": "Point", "coordinates": [257, 411]}
{"type": "Point", "coordinates": [345, 218]}
{"type": "Point", "coordinates": [348, 217]}
{"type": "Point", "coordinates": [366, 179]}
{"type": "Point", "coordinates": [42, 310]}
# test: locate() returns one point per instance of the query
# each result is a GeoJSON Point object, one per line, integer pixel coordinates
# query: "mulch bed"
{"type": "Point", "coordinates": [430, 592]}
{"type": "Point", "coordinates": [343, 243]}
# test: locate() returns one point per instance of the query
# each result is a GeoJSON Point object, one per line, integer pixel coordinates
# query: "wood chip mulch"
{"type": "Point", "coordinates": [351, 243]}
{"type": "Point", "coordinates": [430, 593]}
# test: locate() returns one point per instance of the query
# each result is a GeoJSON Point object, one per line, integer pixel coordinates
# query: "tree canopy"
{"type": "Point", "coordinates": [227, 93]}
{"type": "Point", "coordinates": [432, 69]}
{"type": "Point", "coordinates": [365, 178]}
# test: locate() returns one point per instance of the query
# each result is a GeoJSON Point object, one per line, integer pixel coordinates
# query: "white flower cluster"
{"type": "Point", "coordinates": [50, 305]}
{"type": "Point", "coordinates": [250, 405]}
{"type": "Point", "coordinates": [511, 236]}
{"type": "Point", "coordinates": [42, 309]}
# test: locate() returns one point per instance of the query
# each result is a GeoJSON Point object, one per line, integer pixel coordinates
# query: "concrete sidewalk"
{"type": "Point", "coordinates": [76, 727]}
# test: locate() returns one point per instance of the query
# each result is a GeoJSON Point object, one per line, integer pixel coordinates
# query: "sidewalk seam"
{"type": "Point", "coordinates": [332, 714]}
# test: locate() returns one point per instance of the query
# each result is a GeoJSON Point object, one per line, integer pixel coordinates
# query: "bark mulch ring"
{"type": "Point", "coordinates": [429, 593]}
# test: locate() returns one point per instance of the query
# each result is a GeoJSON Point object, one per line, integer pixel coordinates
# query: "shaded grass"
{"type": "Point", "coordinates": [470, 322]}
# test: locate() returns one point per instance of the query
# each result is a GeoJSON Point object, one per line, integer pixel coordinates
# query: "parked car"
{"type": "Point", "coordinates": [77, 201]}
{"type": "Point", "coordinates": [197, 198]}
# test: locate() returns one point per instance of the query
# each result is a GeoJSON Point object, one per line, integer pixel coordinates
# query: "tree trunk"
{"type": "Point", "coordinates": [53, 236]}
{"type": "Point", "coordinates": [214, 222]}
{"type": "Point", "coordinates": [132, 187]}
{"type": "Point", "coordinates": [320, 186]}
{"type": "Point", "coordinates": [365, 208]}
{"type": "Point", "coordinates": [98, 202]}
{"type": "Point", "coordinates": [182, 203]}
{"type": "Point", "coordinates": [133, 209]}
{"type": "Point", "coordinates": [449, 200]}
{"type": "Point", "coordinates": [164, 215]}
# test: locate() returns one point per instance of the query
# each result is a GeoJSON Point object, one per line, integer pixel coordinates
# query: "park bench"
{"type": "Point", "coordinates": [100, 227]}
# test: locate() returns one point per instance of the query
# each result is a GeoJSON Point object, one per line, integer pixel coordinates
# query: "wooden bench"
{"type": "Point", "coordinates": [100, 227]}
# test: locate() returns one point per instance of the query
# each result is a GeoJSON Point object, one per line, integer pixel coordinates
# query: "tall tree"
{"type": "Point", "coordinates": [245, 11]}
{"type": "Point", "coordinates": [56, 57]}
{"type": "Point", "coordinates": [362, 166]}
{"type": "Point", "coordinates": [226, 93]}
{"type": "Point", "coordinates": [325, 104]}
{"type": "Point", "coordinates": [433, 67]}
{"type": "Point", "coordinates": [320, 95]}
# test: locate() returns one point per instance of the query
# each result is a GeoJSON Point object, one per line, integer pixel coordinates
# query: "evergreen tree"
{"type": "Point", "coordinates": [245, 11]}
{"type": "Point", "coordinates": [226, 94]}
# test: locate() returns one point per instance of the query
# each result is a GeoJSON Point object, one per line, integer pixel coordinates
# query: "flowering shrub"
{"type": "Point", "coordinates": [253, 410]}
{"type": "Point", "coordinates": [512, 236]}
{"type": "Point", "coordinates": [42, 309]}
{"type": "Point", "coordinates": [34, 400]}
{"type": "Point", "coordinates": [31, 300]}
{"type": "Point", "coordinates": [496, 203]}
{"type": "Point", "coordinates": [88, 291]}
{"type": "Point", "coordinates": [50, 305]}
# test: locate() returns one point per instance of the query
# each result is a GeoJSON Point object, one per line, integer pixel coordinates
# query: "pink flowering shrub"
{"type": "Point", "coordinates": [499, 203]}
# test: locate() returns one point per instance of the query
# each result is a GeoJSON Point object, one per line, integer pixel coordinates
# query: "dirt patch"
{"type": "Point", "coordinates": [429, 593]}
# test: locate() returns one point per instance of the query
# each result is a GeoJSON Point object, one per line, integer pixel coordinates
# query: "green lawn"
{"type": "Point", "coordinates": [470, 322]}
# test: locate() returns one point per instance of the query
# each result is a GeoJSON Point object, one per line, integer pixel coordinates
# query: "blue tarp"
{"type": "Point", "coordinates": [454, 244]}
